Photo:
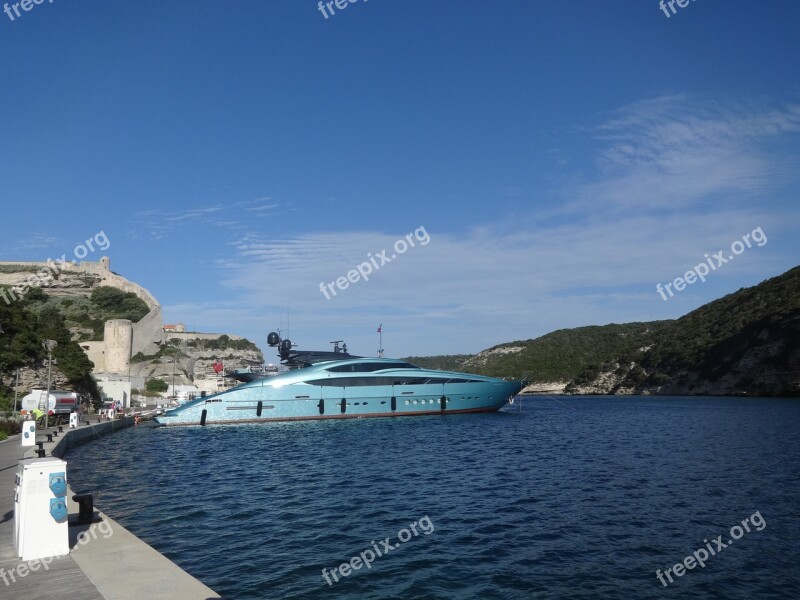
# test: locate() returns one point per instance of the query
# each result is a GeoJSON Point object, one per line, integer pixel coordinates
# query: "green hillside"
{"type": "Point", "coordinates": [558, 356]}
{"type": "Point", "coordinates": [443, 362]}
{"type": "Point", "coordinates": [711, 335]}
{"type": "Point", "coordinates": [25, 324]}
{"type": "Point", "coordinates": [562, 355]}
{"type": "Point", "coordinates": [91, 313]}
{"type": "Point", "coordinates": [746, 342]}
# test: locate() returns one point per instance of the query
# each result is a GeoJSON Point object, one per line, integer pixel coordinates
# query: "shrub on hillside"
{"type": "Point", "coordinates": [9, 427]}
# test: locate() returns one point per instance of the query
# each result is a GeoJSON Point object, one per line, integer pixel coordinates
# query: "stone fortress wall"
{"type": "Point", "coordinates": [122, 338]}
{"type": "Point", "coordinates": [191, 335]}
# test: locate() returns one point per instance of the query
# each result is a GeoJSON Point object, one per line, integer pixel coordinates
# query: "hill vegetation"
{"type": "Point", "coordinates": [223, 342]}
{"type": "Point", "coordinates": [25, 324]}
{"type": "Point", "coordinates": [178, 348]}
{"type": "Point", "coordinates": [90, 314]}
{"type": "Point", "coordinates": [444, 362]}
{"type": "Point", "coordinates": [745, 343]}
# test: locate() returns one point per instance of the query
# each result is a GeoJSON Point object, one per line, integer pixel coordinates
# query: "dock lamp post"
{"type": "Point", "coordinates": [16, 391]}
{"type": "Point", "coordinates": [48, 345]}
{"type": "Point", "coordinates": [1, 333]}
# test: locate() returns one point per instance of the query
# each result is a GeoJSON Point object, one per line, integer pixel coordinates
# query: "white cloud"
{"type": "Point", "coordinates": [672, 152]}
{"type": "Point", "coordinates": [676, 178]}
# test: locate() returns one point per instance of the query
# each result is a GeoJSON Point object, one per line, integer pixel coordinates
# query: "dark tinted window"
{"type": "Point", "coordinates": [384, 380]}
{"type": "Point", "coordinates": [368, 367]}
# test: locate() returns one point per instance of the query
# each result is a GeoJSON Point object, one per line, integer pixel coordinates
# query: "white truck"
{"type": "Point", "coordinates": [56, 403]}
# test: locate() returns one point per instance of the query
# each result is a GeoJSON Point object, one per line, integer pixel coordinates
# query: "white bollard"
{"type": "Point", "coordinates": [29, 433]}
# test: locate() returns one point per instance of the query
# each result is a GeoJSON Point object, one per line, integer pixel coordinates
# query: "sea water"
{"type": "Point", "coordinates": [568, 497]}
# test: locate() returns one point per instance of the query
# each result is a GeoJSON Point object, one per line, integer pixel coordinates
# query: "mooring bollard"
{"type": "Point", "coordinates": [60, 429]}
{"type": "Point", "coordinates": [49, 437]}
{"type": "Point", "coordinates": [85, 508]}
{"type": "Point", "coordinates": [40, 453]}
{"type": "Point", "coordinates": [41, 445]}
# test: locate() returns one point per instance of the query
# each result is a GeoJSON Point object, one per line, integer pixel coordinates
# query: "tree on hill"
{"type": "Point", "coordinates": [752, 335]}
{"type": "Point", "coordinates": [26, 324]}
{"type": "Point", "coordinates": [112, 303]}
{"type": "Point", "coordinates": [156, 386]}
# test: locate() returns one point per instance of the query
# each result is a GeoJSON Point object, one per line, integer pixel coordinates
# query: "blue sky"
{"type": "Point", "coordinates": [562, 157]}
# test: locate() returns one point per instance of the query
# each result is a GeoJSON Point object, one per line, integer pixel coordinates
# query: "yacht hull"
{"type": "Point", "coordinates": [263, 400]}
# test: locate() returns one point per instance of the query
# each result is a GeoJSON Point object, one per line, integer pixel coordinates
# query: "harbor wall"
{"type": "Point", "coordinates": [116, 565]}
{"type": "Point", "coordinates": [75, 437]}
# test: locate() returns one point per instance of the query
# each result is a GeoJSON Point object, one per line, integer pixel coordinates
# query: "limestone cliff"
{"type": "Point", "coordinates": [138, 349]}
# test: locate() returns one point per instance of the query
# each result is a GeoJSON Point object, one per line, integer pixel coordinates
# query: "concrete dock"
{"type": "Point", "coordinates": [105, 561]}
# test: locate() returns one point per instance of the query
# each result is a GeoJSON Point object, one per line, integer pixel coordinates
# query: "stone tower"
{"type": "Point", "coordinates": [118, 338]}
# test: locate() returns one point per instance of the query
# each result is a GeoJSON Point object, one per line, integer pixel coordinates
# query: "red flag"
{"type": "Point", "coordinates": [217, 367]}
{"type": "Point", "coordinates": [379, 327]}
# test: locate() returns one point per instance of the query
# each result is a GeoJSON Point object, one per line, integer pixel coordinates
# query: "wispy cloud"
{"type": "Point", "coordinates": [195, 214]}
{"type": "Point", "coordinates": [158, 223]}
{"type": "Point", "coordinates": [36, 245]}
{"type": "Point", "coordinates": [262, 208]}
{"type": "Point", "coordinates": [673, 178]}
{"type": "Point", "coordinates": [491, 284]}
{"type": "Point", "coordinates": [672, 152]}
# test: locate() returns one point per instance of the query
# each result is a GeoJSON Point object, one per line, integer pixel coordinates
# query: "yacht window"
{"type": "Point", "coordinates": [384, 380]}
{"type": "Point", "coordinates": [368, 367]}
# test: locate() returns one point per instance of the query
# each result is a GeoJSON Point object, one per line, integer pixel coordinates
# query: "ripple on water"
{"type": "Point", "coordinates": [583, 498]}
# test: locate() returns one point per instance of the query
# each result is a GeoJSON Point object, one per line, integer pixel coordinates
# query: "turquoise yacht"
{"type": "Point", "coordinates": [336, 385]}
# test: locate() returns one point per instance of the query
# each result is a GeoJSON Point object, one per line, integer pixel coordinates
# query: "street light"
{"type": "Point", "coordinates": [15, 398]}
{"type": "Point", "coordinates": [16, 391]}
{"type": "Point", "coordinates": [48, 345]}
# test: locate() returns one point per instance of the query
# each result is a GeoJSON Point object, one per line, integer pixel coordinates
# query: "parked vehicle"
{"type": "Point", "coordinates": [58, 403]}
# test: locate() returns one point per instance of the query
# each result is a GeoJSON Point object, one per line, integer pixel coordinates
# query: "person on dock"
{"type": "Point", "coordinates": [38, 416]}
